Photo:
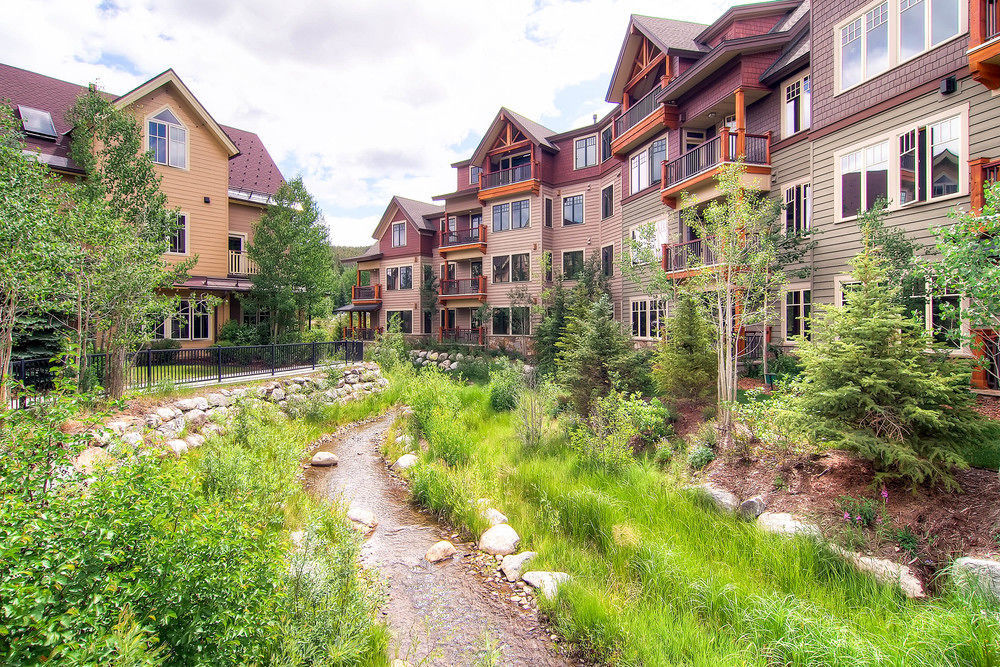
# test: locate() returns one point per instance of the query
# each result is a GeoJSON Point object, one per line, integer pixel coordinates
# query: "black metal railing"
{"type": "Point", "coordinates": [463, 236]}
{"type": "Point", "coordinates": [636, 112]}
{"type": "Point", "coordinates": [494, 179]}
{"type": "Point", "coordinates": [715, 151]}
{"type": "Point", "coordinates": [152, 368]}
{"type": "Point", "coordinates": [460, 286]}
{"type": "Point", "coordinates": [473, 336]}
{"type": "Point", "coordinates": [752, 345]}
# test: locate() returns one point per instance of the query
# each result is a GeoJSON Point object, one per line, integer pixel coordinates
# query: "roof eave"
{"type": "Point", "coordinates": [743, 11]}
{"type": "Point", "coordinates": [720, 55]}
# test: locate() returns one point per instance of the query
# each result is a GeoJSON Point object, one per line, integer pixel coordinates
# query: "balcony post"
{"type": "Point", "coordinates": [724, 145]}
{"type": "Point", "coordinates": [358, 280]}
{"type": "Point", "coordinates": [977, 23]}
{"type": "Point", "coordinates": [976, 183]}
{"type": "Point", "coordinates": [663, 256]}
{"type": "Point", "coordinates": [767, 148]}
{"type": "Point", "coordinates": [741, 123]}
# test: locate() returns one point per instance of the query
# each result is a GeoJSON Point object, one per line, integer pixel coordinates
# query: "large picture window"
{"type": "Point", "coordinates": [520, 214]}
{"type": "Point", "coordinates": [520, 268]}
{"type": "Point", "coordinates": [864, 46]}
{"type": "Point", "coordinates": [501, 269]}
{"type": "Point", "coordinates": [167, 140]}
{"type": "Point", "coordinates": [572, 264]}
{"type": "Point", "coordinates": [864, 178]}
{"type": "Point", "coordinates": [501, 217]}
{"type": "Point", "coordinates": [929, 161]}
{"type": "Point", "coordinates": [648, 318]}
{"type": "Point", "coordinates": [405, 318]}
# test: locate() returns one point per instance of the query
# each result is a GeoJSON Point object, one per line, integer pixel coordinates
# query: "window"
{"type": "Point", "coordinates": [573, 210]}
{"type": "Point", "coordinates": [167, 140]}
{"type": "Point", "coordinates": [572, 264]}
{"type": "Point", "coordinates": [639, 172]}
{"type": "Point", "coordinates": [798, 106]}
{"type": "Point", "coordinates": [501, 217]}
{"type": "Point", "coordinates": [606, 144]}
{"type": "Point", "coordinates": [798, 209]}
{"type": "Point", "coordinates": [405, 318]}
{"type": "Point", "coordinates": [657, 154]}
{"type": "Point", "coordinates": [199, 321]}
{"type": "Point", "coordinates": [447, 272]}
{"type": "Point", "coordinates": [608, 260]}
{"type": "Point", "coordinates": [406, 277]}
{"type": "Point", "coordinates": [180, 322]}
{"type": "Point", "coordinates": [547, 260]}
{"type": "Point", "coordinates": [937, 313]}
{"type": "Point", "coordinates": [520, 268]}
{"type": "Point", "coordinates": [864, 46]}
{"type": "Point", "coordinates": [607, 202]}
{"type": "Point", "coordinates": [648, 318]}
{"type": "Point", "coordinates": [501, 321]}
{"type": "Point", "coordinates": [476, 221]}
{"type": "Point", "coordinates": [392, 278]}
{"type": "Point", "coordinates": [585, 152]}
{"type": "Point", "coordinates": [693, 139]}
{"type": "Point", "coordinates": [520, 321]}
{"type": "Point", "coordinates": [178, 240]}
{"type": "Point", "coordinates": [520, 214]}
{"type": "Point", "coordinates": [864, 178]}
{"type": "Point", "coordinates": [916, 15]}
{"type": "Point", "coordinates": [548, 211]}
{"type": "Point", "coordinates": [398, 234]}
{"type": "Point", "coordinates": [37, 122]}
{"type": "Point", "coordinates": [474, 172]}
{"type": "Point", "coordinates": [640, 318]}
{"type": "Point", "coordinates": [944, 161]}
{"type": "Point", "coordinates": [797, 307]}
{"type": "Point", "coordinates": [449, 225]}
{"type": "Point", "coordinates": [929, 159]}
{"type": "Point", "coordinates": [501, 269]}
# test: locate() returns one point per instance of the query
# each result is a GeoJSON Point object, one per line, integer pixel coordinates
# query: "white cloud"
{"type": "Point", "coordinates": [365, 99]}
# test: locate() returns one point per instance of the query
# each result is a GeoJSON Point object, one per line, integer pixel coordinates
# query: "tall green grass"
{"type": "Point", "coordinates": [659, 578]}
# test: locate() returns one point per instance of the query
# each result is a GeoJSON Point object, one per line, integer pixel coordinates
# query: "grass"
{"type": "Point", "coordinates": [658, 578]}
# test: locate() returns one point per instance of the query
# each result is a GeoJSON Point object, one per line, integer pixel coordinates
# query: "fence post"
{"type": "Point", "coordinates": [314, 354]}
{"type": "Point", "coordinates": [218, 361]}
{"type": "Point", "coordinates": [272, 360]}
{"type": "Point", "coordinates": [149, 367]}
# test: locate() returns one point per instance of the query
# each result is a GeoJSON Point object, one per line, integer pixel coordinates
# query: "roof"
{"type": "Point", "coordinates": [794, 57]}
{"type": "Point", "coordinates": [417, 212]}
{"type": "Point", "coordinates": [536, 132]}
{"type": "Point", "coordinates": [216, 284]}
{"type": "Point", "coordinates": [252, 166]}
{"type": "Point", "coordinates": [666, 34]}
{"type": "Point", "coordinates": [374, 251]}
{"type": "Point", "coordinates": [745, 11]}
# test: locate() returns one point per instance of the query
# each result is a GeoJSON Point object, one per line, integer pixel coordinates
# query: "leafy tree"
{"type": "Point", "coordinates": [685, 364]}
{"type": "Point", "coordinates": [33, 252]}
{"type": "Point", "coordinates": [428, 292]}
{"type": "Point", "coordinates": [875, 383]}
{"type": "Point", "coordinates": [291, 251]}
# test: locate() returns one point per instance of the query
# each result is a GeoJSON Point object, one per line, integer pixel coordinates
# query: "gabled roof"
{"type": "Point", "coordinates": [415, 212]}
{"type": "Point", "coordinates": [737, 12]}
{"type": "Point", "coordinates": [666, 34]}
{"type": "Point", "coordinates": [793, 58]}
{"type": "Point", "coordinates": [536, 132]}
{"type": "Point", "coordinates": [170, 77]}
{"type": "Point", "coordinates": [253, 170]}
{"type": "Point", "coordinates": [374, 251]}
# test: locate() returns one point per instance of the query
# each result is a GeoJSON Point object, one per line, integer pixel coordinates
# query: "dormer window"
{"type": "Point", "coordinates": [167, 140]}
{"type": "Point", "coordinates": [37, 122]}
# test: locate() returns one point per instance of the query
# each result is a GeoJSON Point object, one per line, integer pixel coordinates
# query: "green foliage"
{"type": "Point", "coordinates": [700, 457]}
{"type": "Point", "coordinates": [685, 363]}
{"type": "Point", "coordinates": [474, 369]}
{"type": "Point", "coordinates": [618, 425]}
{"type": "Point", "coordinates": [865, 512]}
{"type": "Point", "coordinates": [595, 354]}
{"type": "Point", "coordinates": [236, 333]}
{"type": "Point", "coordinates": [875, 383]}
{"type": "Point", "coordinates": [506, 380]}
{"type": "Point", "coordinates": [389, 348]}
{"type": "Point", "coordinates": [984, 452]}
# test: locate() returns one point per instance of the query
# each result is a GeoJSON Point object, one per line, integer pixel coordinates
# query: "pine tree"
{"type": "Point", "coordinates": [875, 383]}
{"type": "Point", "coordinates": [685, 364]}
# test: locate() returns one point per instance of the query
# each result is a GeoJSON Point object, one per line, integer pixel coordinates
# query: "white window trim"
{"type": "Point", "coordinates": [645, 150]}
{"type": "Point", "coordinates": [392, 238]}
{"type": "Point", "coordinates": [474, 180]}
{"type": "Point", "coordinates": [800, 79]}
{"type": "Point", "coordinates": [400, 267]}
{"type": "Point", "coordinates": [187, 238]}
{"type": "Point", "coordinates": [794, 287]}
{"type": "Point", "coordinates": [582, 194]}
{"type": "Point", "coordinates": [838, 287]}
{"type": "Point", "coordinates": [168, 322]}
{"type": "Point", "coordinates": [662, 223]}
{"type": "Point", "coordinates": [388, 313]}
{"type": "Point", "coordinates": [597, 151]}
{"type": "Point", "coordinates": [892, 137]}
{"type": "Point", "coordinates": [894, 42]}
{"type": "Point", "coordinates": [783, 191]}
{"type": "Point", "coordinates": [562, 260]}
{"type": "Point", "coordinates": [649, 301]}
{"type": "Point", "coordinates": [187, 138]}
{"type": "Point", "coordinates": [603, 188]}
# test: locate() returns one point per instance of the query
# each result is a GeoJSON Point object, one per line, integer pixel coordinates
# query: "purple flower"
{"type": "Point", "coordinates": [858, 517]}
{"type": "Point", "coordinates": [847, 516]}
{"type": "Point", "coordinates": [885, 494]}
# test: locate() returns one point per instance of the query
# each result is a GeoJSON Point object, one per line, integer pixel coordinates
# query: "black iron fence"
{"type": "Point", "coordinates": [152, 368]}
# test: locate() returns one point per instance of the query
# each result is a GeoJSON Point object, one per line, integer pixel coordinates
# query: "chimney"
{"type": "Point", "coordinates": [595, 119]}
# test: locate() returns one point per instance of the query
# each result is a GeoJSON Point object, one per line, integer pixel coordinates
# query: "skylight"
{"type": "Point", "coordinates": [37, 122]}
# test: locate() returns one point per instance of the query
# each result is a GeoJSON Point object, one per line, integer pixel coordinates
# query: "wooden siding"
{"type": "Point", "coordinates": [243, 218]}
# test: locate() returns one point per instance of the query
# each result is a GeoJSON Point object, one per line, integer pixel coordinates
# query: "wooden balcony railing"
{"type": "Point", "coordinates": [362, 333]}
{"type": "Point", "coordinates": [463, 237]}
{"type": "Point", "coordinates": [636, 112]}
{"type": "Point", "coordinates": [471, 336]}
{"type": "Point", "coordinates": [727, 147]}
{"type": "Point", "coordinates": [989, 22]}
{"type": "Point", "coordinates": [463, 287]}
{"type": "Point", "coordinates": [982, 172]}
{"type": "Point", "coordinates": [687, 255]}
{"type": "Point", "coordinates": [984, 42]}
{"type": "Point", "coordinates": [241, 265]}
{"type": "Point", "coordinates": [366, 293]}
{"type": "Point", "coordinates": [518, 174]}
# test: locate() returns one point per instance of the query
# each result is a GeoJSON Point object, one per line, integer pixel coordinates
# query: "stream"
{"type": "Point", "coordinates": [448, 613]}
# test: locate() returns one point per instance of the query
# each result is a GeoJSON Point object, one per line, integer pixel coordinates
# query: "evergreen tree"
{"type": "Point", "coordinates": [875, 383]}
{"type": "Point", "coordinates": [685, 363]}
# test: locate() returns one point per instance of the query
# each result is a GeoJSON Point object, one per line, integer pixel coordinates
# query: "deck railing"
{"type": "Point", "coordinates": [991, 19]}
{"type": "Point", "coordinates": [362, 333]}
{"type": "Point", "coordinates": [366, 292]}
{"type": "Point", "coordinates": [241, 265]}
{"type": "Point", "coordinates": [463, 286]}
{"type": "Point", "coordinates": [686, 255]}
{"type": "Point", "coordinates": [518, 174]}
{"type": "Point", "coordinates": [471, 336]}
{"type": "Point", "coordinates": [636, 112]}
{"type": "Point", "coordinates": [756, 149]}
{"type": "Point", "coordinates": [463, 236]}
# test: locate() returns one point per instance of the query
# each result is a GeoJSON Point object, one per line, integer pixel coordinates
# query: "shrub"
{"type": "Point", "coordinates": [536, 406]}
{"type": "Point", "coordinates": [700, 457]}
{"type": "Point", "coordinates": [164, 344]}
{"type": "Point", "coordinates": [618, 425]}
{"type": "Point", "coordinates": [685, 364]}
{"type": "Point", "coordinates": [233, 332]}
{"type": "Point", "coordinates": [506, 380]}
{"type": "Point", "coordinates": [474, 369]}
{"type": "Point", "coordinates": [389, 348]}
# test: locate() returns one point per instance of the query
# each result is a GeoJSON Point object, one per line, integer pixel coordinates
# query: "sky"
{"type": "Point", "coordinates": [364, 100]}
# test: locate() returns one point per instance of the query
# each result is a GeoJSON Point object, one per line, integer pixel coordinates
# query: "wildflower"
{"type": "Point", "coordinates": [858, 518]}
{"type": "Point", "coordinates": [847, 516]}
{"type": "Point", "coordinates": [885, 494]}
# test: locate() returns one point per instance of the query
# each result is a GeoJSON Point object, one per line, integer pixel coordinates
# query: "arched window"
{"type": "Point", "coordinates": [167, 140]}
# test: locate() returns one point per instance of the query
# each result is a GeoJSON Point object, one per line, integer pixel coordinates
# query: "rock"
{"type": "Point", "coordinates": [219, 400]}
{"type": "Point", "coordinates": [512, 565]}
{"type": "Point", "coordinates": [362, 516]}
{"type": "Point", "coordinates": [178, 447]}
{"type": "Point", "coordinates": [398, 662]}
{"type": "Point", "coordinates": [885, 571]}
{"type": "Point", "coordinates": [172, 428]}
{"type": "Point", "coordinates": [196, 418]}
{"type": "Point", "coordinates": [91, 459]}
{"type": "Point", "coordinates": [440, 551]}
{"type": "Point", "coordinates": [152, 420]}
{"type": "Point", "coordinates": [277, 394]}
{"type": "Point", "coordinates": [194, 440]}
{"type": "Point", "coordinates": [978, 573]}
{"type": "Point", "coordinates": [186, 404]}
{"type": "Point", "coordinates": [422, 354]}
{"type": "Point", "coordinates": [132, 438]}
{"type": "Point", "coordinates": [117, 427]}
{"type": "Point", "coordinates": [211, 429]}
{"type": "Point", "coordinates": [165, 414]}
{"type": "Point", "coordinates": [324, 459]}
{"type": "Point", "coordinates": [218, 413]}
{"type": "Point", "coordinates": [499, 540]}
{"type": "Point", "coordinates": [547, 582]}
{"type": "Point", "coordinates": [723, 500]}
{"type": "Point", "coordinates": [459, 357]}
{"type": "Point", "coordinates": [493, 517]}
{"type": "Point", "coordinates": [752, 508]}
{"type": "Point", "coordinates": [433, 356]}
{"type": "Point", "coordinates": [405, 461]}
{"type": "Point", "coordinates": [454, 365]}
{"type": "Point", "coordinates": [783, 523]}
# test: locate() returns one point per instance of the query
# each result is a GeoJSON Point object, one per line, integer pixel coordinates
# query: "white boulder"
{"type": "Point", "coordinates": [979, 573]}
{"type": "Point", "coordinates": [512, 565]}
{"type": "Point", "coordinates": [499, 540]}
{"type": "Point", "coordinates": [405, 461]}
{"type": "Point", "coordinates": [324, 459]}
{"type": "Point", "coordinates": [784, 523]}
{"type": "Point", "coordinates": [440, 551]}
{"type": "Point", "coordinates": [177, 446]}
{"type": "Point", "coordinates": [547, 582]}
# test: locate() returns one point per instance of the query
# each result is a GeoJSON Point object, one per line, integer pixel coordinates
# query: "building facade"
{"type": "Point", "coordinates": [219, 178]}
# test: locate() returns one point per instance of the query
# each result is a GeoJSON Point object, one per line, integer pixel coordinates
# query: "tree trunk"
{"type": "Point", "coordinates": [115, 377]}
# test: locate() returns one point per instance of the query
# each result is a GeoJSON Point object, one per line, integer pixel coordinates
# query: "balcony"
{"type": "Point", "coordinates": [643, 120]}
{"type": "Point", "coordinates": [366, 293]}
{"type": "Point", "coordinates": [472, 336]}
{"type": "Point", "coordinates": [463, 291]}
{"type": "Point", "coordinates": [463, 243]}
{"type": "Point", "coordinates": [524, 178]}
{"type": "Point", "coordinates": [982, 172]}
{"type": "Point", "coordinates": [687, 258]}
{"type": "Point", "coordinates": [362, 333]}
{"type": "Point", "coordinates": [984, 42]}
{"type": "Point", "coordinates": [695, 170]}
{"type": "Point", "coordinates": [241, 265]}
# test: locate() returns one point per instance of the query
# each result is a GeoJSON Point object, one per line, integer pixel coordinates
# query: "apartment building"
{"type": "Point", "coordinates": [831, 105]}
{"type": "Point", "coordinates": [220, 179]}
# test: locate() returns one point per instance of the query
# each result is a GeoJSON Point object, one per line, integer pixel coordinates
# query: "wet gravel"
{"type": "Point", "coordinates": [457, 612]}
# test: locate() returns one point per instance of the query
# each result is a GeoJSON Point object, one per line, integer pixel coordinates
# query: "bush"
{"type": "Point", "coordinates": [506, 380]}
{"type": "Point", "coordinates": [700, 457]}
{"type": "Point", "coordinates": [474, 369]}
{"type": "Point", "coordinates": [618, 425]}
{"type": "Point", "coordinates": [685, 364]}
{"type": "Point", "coordinates": [235, 333]}
{"type": "Point", "coordinates": [536, 406]}
{"type": "Point", "coordinates": [389, 348]}
{"type": "Point", "coordinates": [164, 344]}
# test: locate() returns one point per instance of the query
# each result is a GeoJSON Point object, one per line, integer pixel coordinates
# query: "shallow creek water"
{"type": "Point", "coordinates": [446, 613]}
